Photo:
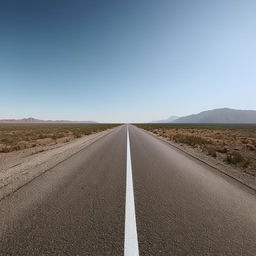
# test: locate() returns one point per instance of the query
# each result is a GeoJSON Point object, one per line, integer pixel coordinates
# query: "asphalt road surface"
{"type": "Point", "coordinates": [79, 207]}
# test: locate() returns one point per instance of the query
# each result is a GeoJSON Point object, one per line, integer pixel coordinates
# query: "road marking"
{"type": "Point", "coordinates": [131, 247]}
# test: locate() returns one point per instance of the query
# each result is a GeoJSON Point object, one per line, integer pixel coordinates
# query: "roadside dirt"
{"type": "Point", "coordinates": [19, 167]}
{"type": "Point", "coordinates": [219, 162]}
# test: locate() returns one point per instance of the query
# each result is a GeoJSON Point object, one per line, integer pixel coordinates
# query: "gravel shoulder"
{"type": "Point", "coordinates": [232, 171]}
{"type": "Point", "coordinates": [18, 168]}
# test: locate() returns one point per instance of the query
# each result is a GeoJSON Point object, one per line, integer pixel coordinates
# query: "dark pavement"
{"type": "Point", "coordinates": [77, 208]}
{"type": "Point", "coordinates": [183, 207]}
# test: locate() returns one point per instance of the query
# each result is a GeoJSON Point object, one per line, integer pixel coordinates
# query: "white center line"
{"type": "Point", "coordinates": [130, 237]}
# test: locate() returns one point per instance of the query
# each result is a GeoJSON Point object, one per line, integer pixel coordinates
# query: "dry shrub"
{"type": "Point", "coordinates": [190, 140]}
{"type": "Point", "coordinates": [211, 151]}
{"type": "Point", "coordinates": [237, 159]}
{"type": "Point", "coordinates": [250, 147]}
{"type": "Point", "coordinates": [222, 150]}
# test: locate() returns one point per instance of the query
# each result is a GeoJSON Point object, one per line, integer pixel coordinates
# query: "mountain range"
{"type": "Point", "coordinates": [220, 115]}
{"type": "Point", "coordinates": [168, 120]}
{"type": "Point", "coordinates": [34, 120]}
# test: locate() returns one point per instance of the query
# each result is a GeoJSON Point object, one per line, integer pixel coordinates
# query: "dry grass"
{"type": "Point", "coordinates": [233, 144]}
{"type": "Point", "coordinates": [15, 137]}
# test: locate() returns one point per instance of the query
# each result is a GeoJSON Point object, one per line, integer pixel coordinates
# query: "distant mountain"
{"type": "Point", "coordinates": [34, 120]}
{"type": "Point", "coordinates": [221, 115]}
{"type": "Point", "coordinates": [168, 120]}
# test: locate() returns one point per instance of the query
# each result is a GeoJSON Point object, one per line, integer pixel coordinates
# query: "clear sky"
{"type": "Point", "coordinates": [125, 61]}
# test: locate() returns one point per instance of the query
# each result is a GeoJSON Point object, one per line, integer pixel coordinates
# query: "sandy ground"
{"type": "Point", "coordinates": [230, 170]}
{"type": "Point", "coordinates": [18, 168]}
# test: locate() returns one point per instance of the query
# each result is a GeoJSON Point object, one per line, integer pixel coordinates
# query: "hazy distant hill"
{"type": "Point", "coordinates": [168, 120]}
{"type": "Point", "coordinates": [34, 120]}
{"type": "Point", "coordinates": [222, 115]}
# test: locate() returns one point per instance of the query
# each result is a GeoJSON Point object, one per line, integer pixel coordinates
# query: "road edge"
{"type": "Point", "coordinates": [9, 191]}
{"type": "Point", "coordinates": [249, 186]}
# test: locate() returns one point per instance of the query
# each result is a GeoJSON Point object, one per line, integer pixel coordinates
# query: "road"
{"type": "Point", "coordinates": [181, 206]}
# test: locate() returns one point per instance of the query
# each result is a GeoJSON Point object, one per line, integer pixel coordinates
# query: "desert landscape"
{"type": "Point", "coordinates": [28, 150]}
{"type": "Point", "coordinates": [232, 144]}
{"type": "Point", "coordinates": [20, 136]}
{"type": "Point", "coordinates": [128, 128]}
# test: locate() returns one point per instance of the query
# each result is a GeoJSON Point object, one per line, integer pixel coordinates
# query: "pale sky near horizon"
{"type": "Point", "coordinates": [125, 61]}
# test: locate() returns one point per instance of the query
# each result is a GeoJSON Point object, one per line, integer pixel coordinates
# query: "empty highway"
{"type": "Point", "coordinates": [129, 193]}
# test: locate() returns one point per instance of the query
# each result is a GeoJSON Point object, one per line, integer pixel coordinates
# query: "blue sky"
{"type": "Point", "coordinates": [125, 61]}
